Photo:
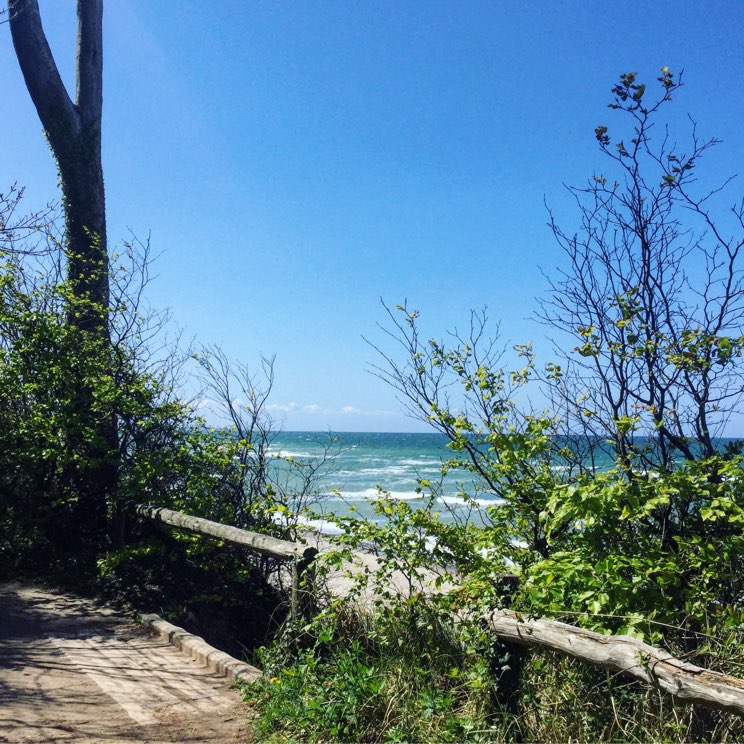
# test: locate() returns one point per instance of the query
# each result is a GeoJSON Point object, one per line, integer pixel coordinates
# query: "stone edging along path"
{"type": "Point", "coordinates": [198, 649]}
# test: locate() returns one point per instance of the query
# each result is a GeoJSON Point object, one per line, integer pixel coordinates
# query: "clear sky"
{"type": "Point", "coordinates": [297, 161]}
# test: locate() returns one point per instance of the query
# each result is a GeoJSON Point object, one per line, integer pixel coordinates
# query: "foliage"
{"type": "Point", "coordinates": [629, 551]}
{"type": "Point", "coordinates": [165, 453]}
{"type": "Point", "coordinates": [565, 700]}
{"type": "Point", "coordinates": [344, 692]}
{"type": "Point", "coordinates": [652, 298]}
{"type": "Point", "coordinates": [666, 548]}
{"type": "Point", "coordinates": [370, 677]}
{"type": "Point", "coordinates": [462, 390]}
{"type": "Point", "coordinates": [397, 651]}
{"type": "Point", "coordinates": [651, 547]}
{"type": "Point", "coordinates": [48, 440]}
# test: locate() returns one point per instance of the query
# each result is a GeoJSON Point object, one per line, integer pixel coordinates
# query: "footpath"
{"type": "Point", "coordinates": [75, 671]}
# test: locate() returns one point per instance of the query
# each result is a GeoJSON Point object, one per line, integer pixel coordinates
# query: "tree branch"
{"type": "Point", "coordinates": [89, 92]}
{"type": "Point", "coordinates": [57, 113]}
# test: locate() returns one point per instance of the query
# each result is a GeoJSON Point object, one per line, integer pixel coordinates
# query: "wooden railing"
{"type": "Point", "coordinates": [620, 654]}
{"type": "Point", "coordinates": [300, 555]}
{"type": "Point", "coordinates": [623, 655]}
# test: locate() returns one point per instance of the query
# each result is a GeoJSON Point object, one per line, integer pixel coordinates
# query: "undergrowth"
{"type": "Point", "coordinates": [355, 676]}
{"type": "Point", "coordinates": [388, 677]}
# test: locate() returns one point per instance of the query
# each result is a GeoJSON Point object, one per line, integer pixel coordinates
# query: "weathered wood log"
{"type": "Point", "coordinates": [264, 544]}
{"type": "Point", "coordinates": [624, 655]}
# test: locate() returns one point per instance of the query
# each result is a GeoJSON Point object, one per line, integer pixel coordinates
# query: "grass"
{"type": "Point", "coordinates": [404, 675]}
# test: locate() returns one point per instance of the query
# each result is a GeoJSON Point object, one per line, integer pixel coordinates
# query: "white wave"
{"type": "Point", "coordinates": [405, 495]}
{"type": "Point", "coordinates": [321, 525]}
{"type": "Point", "coordinates": [460, 501]}
{"type": "Point", "coordinates": [380, 474]}
{"type": "Point", "coordinates": [373, 493]}
{"type": "Point", "coordinates": [290, 453]}
{"type": "Point", "coordinates": [384, 470]}
{"type": "Point", "coordinates": [415, 463]}
{"type": "Point", "coordinates": [317, 525]}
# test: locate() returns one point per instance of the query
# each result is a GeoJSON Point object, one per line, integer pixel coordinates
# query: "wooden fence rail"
{"type": "Point", "coordinates": [300, 555]}
{"type": "Point", "coordinates": [620, 654]}
{"type": "Point", "coordinates": [624, 655]}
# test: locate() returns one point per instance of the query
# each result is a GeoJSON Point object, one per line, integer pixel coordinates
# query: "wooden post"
{"type": "Point", "coordinates": [263, 544]}
{"type": "Point", "coordinates": [272, 547]}
{"type": "Point", "coordinates": [294, 598]}
{"type": "Point", "coordinates": [299, 599]}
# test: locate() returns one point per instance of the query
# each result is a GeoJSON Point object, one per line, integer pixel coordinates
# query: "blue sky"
{"type": "Point", "coordinates": [294, 162]}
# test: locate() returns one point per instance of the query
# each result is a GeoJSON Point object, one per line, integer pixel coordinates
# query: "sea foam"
{"type": "Point", "coordinates": [461, 502]}
{"type": "Point", "coordinates": [372, 493]}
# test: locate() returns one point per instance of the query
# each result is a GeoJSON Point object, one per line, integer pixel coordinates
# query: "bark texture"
{"type": "Point", "coordinates": [73, 130]}
{"type": "Point", "coordinates": [74, 134]}
{"type": "Point", "coordinates": [624, 655]}
{"type": "Point", "coordinates": [263, 544]}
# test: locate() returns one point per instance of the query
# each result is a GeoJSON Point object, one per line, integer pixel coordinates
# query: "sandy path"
{"type": "Point", "coordinates": [72, 671]}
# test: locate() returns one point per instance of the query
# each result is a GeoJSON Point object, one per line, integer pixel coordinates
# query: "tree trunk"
{"type": "Point", "coordinates": [74, 134]}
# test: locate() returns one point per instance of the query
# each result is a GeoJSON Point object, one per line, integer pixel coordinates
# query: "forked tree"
{"type": "Point", "coordinates": [73, 130]}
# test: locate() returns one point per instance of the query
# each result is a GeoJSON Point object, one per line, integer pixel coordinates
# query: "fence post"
{"type": "Point", "coordinates": [300, 570]}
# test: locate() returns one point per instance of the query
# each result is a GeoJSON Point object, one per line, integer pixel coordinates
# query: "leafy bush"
{"type": "Point", "coordinates": [667, 547]}
{"type": "Point", "coordinates": [360, 676]}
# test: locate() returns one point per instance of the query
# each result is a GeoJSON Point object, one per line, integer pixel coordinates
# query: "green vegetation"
{"type": "Point", "coordinates": [651, 302]}
{"type": "Point", "coordinates": [165, 455]}
{"type": "Point", "coordinates": [396, 660]}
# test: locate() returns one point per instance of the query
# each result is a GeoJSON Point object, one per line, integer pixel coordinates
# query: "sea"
{"type": "Point", "coordinates": [357, 466]}
{"type": "Point", "coordinates": [360, 465]}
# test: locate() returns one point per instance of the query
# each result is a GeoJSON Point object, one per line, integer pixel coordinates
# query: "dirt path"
{"type": "Point", "coordinates": [72, 671]}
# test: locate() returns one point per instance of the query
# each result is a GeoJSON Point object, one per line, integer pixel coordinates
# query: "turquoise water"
{"type": "Point", "coordinates": [360, 463]}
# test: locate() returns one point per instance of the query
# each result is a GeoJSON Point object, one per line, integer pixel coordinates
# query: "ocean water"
{"type": "Point", "coordinates": [358, 464]}
{"type": "Point", "coordinates": [361, 463]}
